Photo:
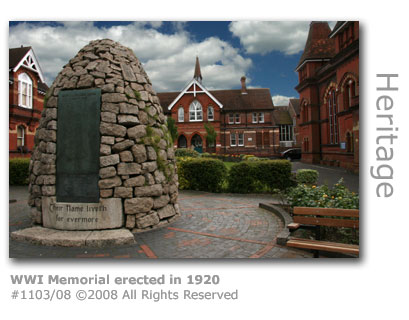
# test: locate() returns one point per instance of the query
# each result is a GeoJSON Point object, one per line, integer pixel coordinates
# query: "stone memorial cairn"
{"type": "Point", "coordinates": [137, 161]}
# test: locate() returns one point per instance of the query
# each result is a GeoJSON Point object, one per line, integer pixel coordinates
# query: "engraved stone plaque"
{"type": "Point", "coordinates": [78, 141]}
{"type": "Point", "coordinates": [106, 214]}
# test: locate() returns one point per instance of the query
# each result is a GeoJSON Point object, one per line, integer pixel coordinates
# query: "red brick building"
{"type": "Point", "coordinates": [26, 96]}
{"type": "Point", "coordinates": [328, 124]}
{"type": "Point", "coordinates": [243, 119]}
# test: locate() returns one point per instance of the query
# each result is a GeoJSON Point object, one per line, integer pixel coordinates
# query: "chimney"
{"type": "Point", "coordinates": [243, 85]}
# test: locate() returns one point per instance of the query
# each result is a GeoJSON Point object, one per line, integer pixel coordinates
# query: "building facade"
{"type": "Point", "coordinates": [27, 90]}
{"type": "Point", "coordinates": [243, 119]}
{"type": "Point", "coordinates": [328, 123]}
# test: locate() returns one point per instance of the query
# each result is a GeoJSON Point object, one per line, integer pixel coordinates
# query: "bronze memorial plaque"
{"type": "Point", "coordinates": [78, 143]}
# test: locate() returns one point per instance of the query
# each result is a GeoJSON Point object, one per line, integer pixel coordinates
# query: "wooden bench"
{"type": "Point", "coordinates": [313, 218]}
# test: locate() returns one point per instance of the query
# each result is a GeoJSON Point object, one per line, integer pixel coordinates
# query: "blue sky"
{"type": "Point", "coordinates": [266, 52]}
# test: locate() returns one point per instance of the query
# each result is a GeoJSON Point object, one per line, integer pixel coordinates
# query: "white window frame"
{"type": "Point", "coordinates": [181, 114]}
{"type": "Point", "coordinates": [286, 132]}
{"type": "Point", "coordinates": [254, 117]}
{"type": "Point", "coordinates": [332, 117]}
{"type": "Point", "coordinates": [231, 118]}
{"type": "Point", "coordinates": [195, 111]}
{"type": "Point", "coordinates": [22, 138]}
{"type": "Point", "coordinates": [25, 90]}
{"type": "Point", "coordinates": [240, 134]}
{"type": "Point", "coordinates": [261, 117]}
{"type": "Point", "coordinates": [237, 118]}
{"type": "Point", "coordinates": [233, 140]}
{"type": "Point", "coordinates": [210, 111]}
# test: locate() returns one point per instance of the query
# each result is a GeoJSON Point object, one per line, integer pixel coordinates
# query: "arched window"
{"type": "Point", "coordinates": [181, 114]}
{"type": "Point", "coordinates": [195, 111]}
{"type": "Point", "coordinates": [21, 130]}
{"type": "Point", "coordinates": [210, 113]}
{"type": "Point", "coordinates": [332, 117]}
{"type": "Point", "coordinates": [349, 93]}
{"type": "Point", "coordinates": [25, 91]}
{"type": "Point", "coordinates": [182, 142]}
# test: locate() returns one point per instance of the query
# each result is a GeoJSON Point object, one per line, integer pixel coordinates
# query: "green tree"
{"type": "Point", "coordinates": [211, 135]}
{"type": "Point", "coordinates": [173, 129]}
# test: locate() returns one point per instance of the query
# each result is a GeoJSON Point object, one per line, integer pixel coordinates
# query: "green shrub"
{"type": "Point", "coordinates": [322, 196]}
{"type": "Point", "coordinates": [338, 196]}
{"type": "Point", "coordinates": [241, 178]}
{"type": "Point", "coordinates": [247, 157]}
{"type": "Point", "coordinates": [205, 155]}
{"type": "Point", "coordinates": [184, 152]}
{"type": "Point", "coordinates": [18, 171]}
{"type": "Point", "coordinates": [259, 176]}
{"type": "Point", "coordinates": [201, 174]}
{"type": "Point", "coordinates": [307, 176]}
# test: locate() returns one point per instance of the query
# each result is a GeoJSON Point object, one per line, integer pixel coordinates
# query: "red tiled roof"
{"type": "Point", "coordinates": [281, 115]}
{"type": "Point", "coordinates": [255, 99]}
{"type": "Point", "coordinates": [318, 45]}
{"type": "Point", "coordinates": [336, 27]}
{"type": "Point", "coordinates": [16, 54]}
{"type": "Point", "coordinates": [295, 103]}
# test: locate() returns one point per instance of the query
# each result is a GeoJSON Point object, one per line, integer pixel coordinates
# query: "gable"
{"type": "Point", "coordinates": [25, 58]}
{"type": "Point", "coordinates": [194, 88]}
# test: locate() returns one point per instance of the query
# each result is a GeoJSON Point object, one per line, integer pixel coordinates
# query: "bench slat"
{"type": "Point", "coordinates": [328, 222]}
{"type": "Point", "coordinates": [353, 213]}
{"type": "Point", "coordinates": [323, 245]}
{"type": "Point", "coordinates": [293, 226]}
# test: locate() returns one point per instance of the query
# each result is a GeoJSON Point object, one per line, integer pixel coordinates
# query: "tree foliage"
{"type": "Point", "coordinates": [173, 130]}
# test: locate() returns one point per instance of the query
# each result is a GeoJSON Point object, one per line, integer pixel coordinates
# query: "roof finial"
{"type": "Point", "coordinates": [198, 74]}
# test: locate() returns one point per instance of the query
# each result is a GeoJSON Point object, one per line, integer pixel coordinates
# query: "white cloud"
{"type": "Point", "coordinates": [167, 58]}
{"type": "Point", "coordinates": [266, 36]}
{"type": "Point", "coordinates": [281, 100]}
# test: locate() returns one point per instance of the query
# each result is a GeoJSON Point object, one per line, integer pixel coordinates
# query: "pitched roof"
{"type": "Point", "coordinates": [16, 54]}
{"type": "Point", "coordinates": [255, 99]}
{"type": "Point", "coordinates": [42, 86]}
{"type": "Point", "coordinates": [318, 44]}
{"type": "Point", "coordinates": [337, 26]}
{"type": "Point", "coordinates": [15, 57]}
{"type": "Point", "coordinates": [281, 115]}
{"type": "Point", "coordinates": [295, 103]}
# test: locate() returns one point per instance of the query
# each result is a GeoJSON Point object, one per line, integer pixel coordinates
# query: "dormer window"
{"type": "Point", "coordinates": [181, 115]}
{"type": "Point", "coordinates": [25, 91]}
{"type": "Point", "coordinates": [195, 111]}
{"type": "Point", "coordinates": [210, 113]}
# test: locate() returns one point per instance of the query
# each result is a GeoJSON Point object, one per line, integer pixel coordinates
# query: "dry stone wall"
{"type": "Point", "coordinates": [137, 161]}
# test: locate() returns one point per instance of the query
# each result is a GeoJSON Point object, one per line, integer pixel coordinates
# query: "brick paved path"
{"type": "Point", "coordinates": [211, 226]}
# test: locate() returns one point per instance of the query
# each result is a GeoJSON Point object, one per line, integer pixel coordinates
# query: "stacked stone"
{"type": "Point", "coordinates": [137, 161]}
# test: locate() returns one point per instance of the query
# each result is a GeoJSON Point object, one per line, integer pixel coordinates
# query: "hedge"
{"type": "Point", "coordinates": [307, 176]}
{"type": "Point", "coordinates": [19, 171]}
{"type": "Point", "coordinates": [201, 174]}
{"type": "Point", "coordinates": [184, 152]}
{"type": "Point", "coordinates": [258, 176]}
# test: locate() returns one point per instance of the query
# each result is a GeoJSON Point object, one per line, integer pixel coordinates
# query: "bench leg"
{"type": "Point", "coordinates": [317, 237]}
